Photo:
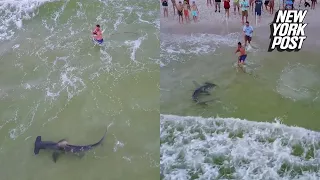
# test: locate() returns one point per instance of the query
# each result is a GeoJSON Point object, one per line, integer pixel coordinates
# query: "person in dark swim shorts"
{"type": "Point", "coordinates": [243, 54]}
{"type": "Point", "coordinates": [180, 9]}
{"type": "Point", "coordinates": [242, 58]}
{"type": "Point", "coordinates": [248, 33]}
{"type": "Point", "coordinates": [165, 8]}
{"type": "Point", "coordinates": [266, 4]}
{"type": "Point", "coordinates": [99, 41]}
{"type": "Point", "coordinates": [258, 9]}
{"type": "Point", "coordinates": [217, 5]}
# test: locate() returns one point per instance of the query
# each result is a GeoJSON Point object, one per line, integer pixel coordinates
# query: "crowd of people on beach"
{"type": "Point", "coordinates": [182, 8]}
{"type": "Point", "coordinates": [243, 6]}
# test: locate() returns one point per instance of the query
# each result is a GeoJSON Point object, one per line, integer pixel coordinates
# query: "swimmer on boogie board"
{"type": "Point", "coordinates": [97, 35]}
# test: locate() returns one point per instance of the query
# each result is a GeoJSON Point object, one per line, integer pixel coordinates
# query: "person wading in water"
{"type": "Point", "coordinates": [97, 34]}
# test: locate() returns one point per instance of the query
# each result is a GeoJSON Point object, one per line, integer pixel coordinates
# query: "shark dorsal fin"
{"type": "Point", "coordinates": [196, 84]}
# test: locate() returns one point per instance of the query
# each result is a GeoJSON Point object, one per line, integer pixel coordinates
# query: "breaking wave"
{"type": "Point", "coordinates": [230, 148]}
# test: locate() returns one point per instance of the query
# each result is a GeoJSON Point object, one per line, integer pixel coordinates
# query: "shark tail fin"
{"type": "Point", "coordinates": [101, 140]}
{"type": "Point", "coordinates": [104, 135]}
{"type": "Point", "coordinates": [36, 145]}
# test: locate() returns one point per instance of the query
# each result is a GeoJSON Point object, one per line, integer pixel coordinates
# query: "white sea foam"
{"type": "Point", "coordinates": [210, 148]}
{"type": "Point", "coordinates": [134, 46]}
{"type": "Point", "coordinates": [13, 12]}
{"type": "Point", "coordinates": [174, 45]}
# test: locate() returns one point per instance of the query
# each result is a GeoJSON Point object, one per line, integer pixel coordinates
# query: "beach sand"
{"type": "Point", "coordinates": [210, 22]}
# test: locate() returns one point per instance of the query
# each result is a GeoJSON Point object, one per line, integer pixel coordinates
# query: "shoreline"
{"type": "Point", "coordinates": [216, 23]}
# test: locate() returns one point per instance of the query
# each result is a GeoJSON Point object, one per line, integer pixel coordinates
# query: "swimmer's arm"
{"type": "Point", "coordinates": [237, 50]}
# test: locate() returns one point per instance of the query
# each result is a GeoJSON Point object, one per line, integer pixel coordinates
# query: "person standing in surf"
{"type": "Point", "coordinates": [165, 8]}
{"type": "Point", "coordinates": [258, 9]}
{"type": "Point", "coordinates": [271, 6]}
{"type": "Point", "coordinates": [251, 4]}
{"type": "Point", "coordinates": [266, 4]}
{"type": "Point", "coordinates": [217, 5]}
{"type": "Point", "coordinates": [236, 6]}
{"type": "Point", "coordinates": [186, 11]}
{"type": "Point", "coordinates": [194, 11]}
{"type": "Point", "coordinates": [244, 8]}
{"type": "Point", "coordinates": [313, 4]}
{"type": "Point", "coordinates": [174, 5]}
{"type": "Point", "coordinates": [180, 9]}
{"type": "Point", "coordinates": [97, 34]}
{"type": "Point", "coordinates": [226, 5]}
{"type": "Point", "coordinates": [248, 32]}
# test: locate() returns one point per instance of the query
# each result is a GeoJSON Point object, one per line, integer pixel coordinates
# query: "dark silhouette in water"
{"type": "Point", "coordinates": [204, 89]}
{"type": "Point", "coordinates": [63, 146]}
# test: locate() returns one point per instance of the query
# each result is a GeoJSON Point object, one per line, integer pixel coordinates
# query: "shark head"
{"type": "Point", "coordinates": [39, 144]}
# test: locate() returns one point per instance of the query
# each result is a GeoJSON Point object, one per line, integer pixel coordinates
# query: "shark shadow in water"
{"type": "Point", "coordinates": [200, 90]}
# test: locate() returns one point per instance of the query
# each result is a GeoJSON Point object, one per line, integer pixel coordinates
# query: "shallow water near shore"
{"type": "Point", "coordinates": [55, 83]}
{"type": "Point", "coordinates": [222, 140]}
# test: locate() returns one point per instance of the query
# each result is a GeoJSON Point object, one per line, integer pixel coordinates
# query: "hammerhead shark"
{"type": "Point", "coordinates": [63, 146]}
{"type": "Point", "coordinates": [204, 89]}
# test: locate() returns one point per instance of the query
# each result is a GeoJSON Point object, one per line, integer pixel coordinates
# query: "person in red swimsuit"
{"type": "Point", "coordinates": [226, 5]}
{"type": "Point", "coordinates": [186, 11]}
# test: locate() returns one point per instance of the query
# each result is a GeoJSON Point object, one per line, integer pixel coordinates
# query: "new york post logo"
{"type": "Point", "coordinates": [288, 30]}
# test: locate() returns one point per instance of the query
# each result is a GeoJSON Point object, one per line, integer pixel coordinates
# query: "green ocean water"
{"type": "Point", "coordinates": [278, 85]}
{"type": "Point", "coordinates": [245, 130]}
{"type": "Point", "coordinates": [55, 83]}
